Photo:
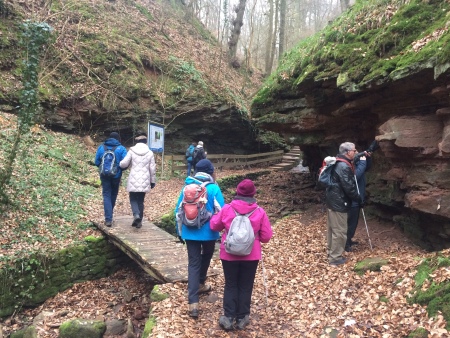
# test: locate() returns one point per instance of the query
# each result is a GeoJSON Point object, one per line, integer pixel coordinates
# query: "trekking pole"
{"type": "Point", "coordinates": [266, 292]}
{"type": "Point", "coordinates": [364, 217]}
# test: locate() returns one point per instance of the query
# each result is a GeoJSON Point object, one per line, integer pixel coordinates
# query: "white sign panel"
{"type": "Point", "coordinates": [156, 137]}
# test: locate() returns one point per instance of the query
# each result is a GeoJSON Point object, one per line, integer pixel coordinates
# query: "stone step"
{"type": "Point", "coordinates": [282, 166]}
{"type": "Point", "coordinates": [290, 158]}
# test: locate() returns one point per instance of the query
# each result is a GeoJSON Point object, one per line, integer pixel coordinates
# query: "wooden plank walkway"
{"type": "Point", "coordinates": [157, 252]}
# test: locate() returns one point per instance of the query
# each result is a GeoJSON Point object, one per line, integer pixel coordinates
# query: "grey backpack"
{"type": "Point", "coordinates": [240, 236]}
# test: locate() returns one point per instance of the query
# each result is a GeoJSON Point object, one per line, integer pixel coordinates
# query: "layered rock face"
{"type": "Point", "coordinates": [410, 117]}
{"type": "Point", "coordinates": [221, 127]}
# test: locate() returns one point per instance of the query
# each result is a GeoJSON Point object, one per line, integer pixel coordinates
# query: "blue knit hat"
{"type": "Point", "coordinates": [204, 166]}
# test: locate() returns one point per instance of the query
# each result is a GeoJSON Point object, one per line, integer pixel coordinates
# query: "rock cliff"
{"type": "Point", "coordinates": [378, 72]}
{"type": "Point", "coordinates": [114, 65]}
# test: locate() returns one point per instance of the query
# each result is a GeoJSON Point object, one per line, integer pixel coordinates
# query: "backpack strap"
{"type": "Point", "coordinates": [347, 162]}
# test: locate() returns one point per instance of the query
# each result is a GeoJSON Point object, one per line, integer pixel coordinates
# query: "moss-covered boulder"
{"type": "Point", "coordinates": [370, 264]}
{"type": "Point", "coordinates": [420, 332]}
{"type": "Point", "coordinates": [82, 328]}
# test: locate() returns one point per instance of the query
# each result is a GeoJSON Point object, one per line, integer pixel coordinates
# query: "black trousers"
{"type": "Point", "coordinates": [237, 295]}
{"type": "Point", "coordinates": [137, 203]}
{"type": "Point", "coordinates": [199, 259]}
{"type": "Point", "coordinates": [352, 223]}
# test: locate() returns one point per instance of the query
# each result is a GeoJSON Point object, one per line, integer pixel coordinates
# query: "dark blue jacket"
{"type": "Point", "coordinates": [360, 171]}
{"type": "Point", "coordinates": [120, 153]}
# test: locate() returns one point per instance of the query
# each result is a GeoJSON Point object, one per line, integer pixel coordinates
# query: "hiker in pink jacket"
{"type": "Point", "coordinates": [240, 271]}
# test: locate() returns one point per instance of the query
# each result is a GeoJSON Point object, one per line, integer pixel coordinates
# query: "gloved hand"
{"type": "Point", "coordinates": [152, 185]}
{"type": "Point", "coordinates": [373, 146]}
{"type": "Point", "coordinates": [181, 240]}
{"type": "Point", "coordinates": [362, 203]}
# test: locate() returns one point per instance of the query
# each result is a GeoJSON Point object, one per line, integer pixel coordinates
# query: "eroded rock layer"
{"type": "Point", "coordinates": [410, 180]}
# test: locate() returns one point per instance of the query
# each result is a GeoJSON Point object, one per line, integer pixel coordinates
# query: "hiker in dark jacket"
{"type": "Point", "coordinates": [339, 197]}
{"type": "Point", "coordinates": [110, 185]}
{"type": "Point", "coordinates": [362, 163]}
{"type": "Point", "coordinates": [199, 154]}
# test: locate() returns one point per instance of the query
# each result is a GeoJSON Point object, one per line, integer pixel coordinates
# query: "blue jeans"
{"type": "Point", "coordinates": [189, 168]}
{"type": "Point", "coordinates": [110, 189]}
{"type": "Point", "coordinates": [199, 258]}
{"type": "Point", "coordinates": [137, 203]}
{"type": "Point", "coordinates": [237, 294]}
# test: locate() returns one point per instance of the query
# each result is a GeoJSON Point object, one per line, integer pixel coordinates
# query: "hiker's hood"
{"type": "Point", "coordinates": [244, 206]}
{"type": "Point", "coordinates": [140, 149]}
{"type": "Point", "coordinates": [199, 178]}
{"type": "Point", "coordinates": [112, 142]}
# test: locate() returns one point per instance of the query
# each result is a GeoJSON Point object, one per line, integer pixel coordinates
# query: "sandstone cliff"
{"type": "Point", "coordinates": [380, 71]}
{"type": "Point", "coordinates": [114, 65]}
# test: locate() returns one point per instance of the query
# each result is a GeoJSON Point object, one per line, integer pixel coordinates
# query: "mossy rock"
{"type": "Point", "coordinates": [149, 325]}
{"type": "Point", "coordinates": [157, 296]}
{"type": "Point", "coordinates": [28, 332]}
{"type": "Point", "coordinates": [420, 332]}
{"type": "Point", "coordinates": [81, 328]}
{"type": "Point", "coordinates": [370, 264]}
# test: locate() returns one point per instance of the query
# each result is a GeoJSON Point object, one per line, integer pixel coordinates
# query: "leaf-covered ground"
{"type": "Point", "coordinates": [300, 296]}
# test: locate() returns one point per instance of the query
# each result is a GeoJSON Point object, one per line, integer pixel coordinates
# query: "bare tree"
{"type": "Point", "coordinates": [282, 40]}
{"type": "Point", "coordinates": [236, 30]}
{"type": "Point", "coordinates": [268, 66]}
{"type": "Point", "coordinates": [344, 4]}
{"type": "Point", "coordinates": [273, 50]}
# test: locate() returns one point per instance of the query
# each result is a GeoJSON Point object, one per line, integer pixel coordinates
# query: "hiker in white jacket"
{"type": "Point", "coordinates": [141, 162]}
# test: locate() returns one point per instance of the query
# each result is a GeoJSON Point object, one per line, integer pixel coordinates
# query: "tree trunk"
{"type": "Point", "coordinates": [282, 40]}
{"type": "Point", "coordinates": [252, 29]}
{"type": "Point", "coordinates": [274, 38]}
{"type": "Point", "coordinates": [268, 67]}
{"type": "Point", "coordinates": [344, 5]}
{"type": "Point", "coordinates": [236, 30]}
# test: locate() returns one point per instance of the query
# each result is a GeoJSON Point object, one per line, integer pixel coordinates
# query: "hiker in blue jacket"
{"type": "Point", "coordinates": [189, 158]}
{"type": "Point", "coordinates": [200, 242]}
{"type": "Point", "coordinates": [110, 185]}
{"type": "Point", "coordinates": [362, 162]}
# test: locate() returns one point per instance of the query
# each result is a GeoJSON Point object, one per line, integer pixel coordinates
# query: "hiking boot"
{"type": "Point", "coordinates": [137, 219]}
{"type": "Point", "coordinates": [339, 262]}
{"type": "Point", "coordinates": [226, 323]}
{"type": "Point", "coordinates": [139, 225]}
{"type": "Point", "coordinates": [108, 224]}
{"type": "Point", "coordinates": [243, 322]}
{"type": "Point", "coordinates": [204, 288]}
{"type": "Point", "coordinates": [348, 248]}
{"type": "Point", "coordinates": [193, 310]}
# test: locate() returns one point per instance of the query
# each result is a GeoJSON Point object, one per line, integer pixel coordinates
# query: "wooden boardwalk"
{"type": "Point", "coordinates": [160, 254]}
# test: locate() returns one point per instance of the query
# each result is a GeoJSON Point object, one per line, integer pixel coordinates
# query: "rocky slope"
{"type": "Point", "coordinates": [114, 65]}
{"type": "Point", "coordinates": [378, 72]}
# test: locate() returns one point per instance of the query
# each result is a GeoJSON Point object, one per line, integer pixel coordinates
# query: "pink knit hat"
{"type": "Point", "coordinates": [246, 188]}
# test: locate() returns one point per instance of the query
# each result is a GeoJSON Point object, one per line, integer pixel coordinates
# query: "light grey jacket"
{"type": "Point", "coordinates": [141, 162]}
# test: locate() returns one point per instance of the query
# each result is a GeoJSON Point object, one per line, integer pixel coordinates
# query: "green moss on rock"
{"type": "Point", "coordinates": [420, 332]}
{"type": "Point", "coordinates": [81, 328]}
{"type": "Point", "coordinates": [370, 264]}
{"type": "Point", "coordinates": [364, 45]}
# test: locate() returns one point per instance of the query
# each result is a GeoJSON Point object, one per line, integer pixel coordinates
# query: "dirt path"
{"type": "Point", "coordinates": [305, 295]}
